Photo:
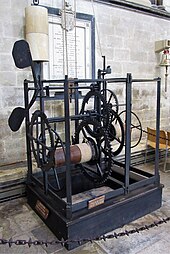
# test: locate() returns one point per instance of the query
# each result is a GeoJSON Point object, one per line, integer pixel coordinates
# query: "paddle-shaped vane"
{"type": "Point", "coordinates": [22, 58]}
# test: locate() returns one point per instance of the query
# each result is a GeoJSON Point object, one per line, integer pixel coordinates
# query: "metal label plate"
{"type": "Point", "coordinates": [41, 209]}
{"type": "Point", "coordinates": [96, 202]}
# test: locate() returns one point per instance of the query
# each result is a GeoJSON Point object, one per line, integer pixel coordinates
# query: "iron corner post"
{"type": "Point", "coordinates": [128, 130]}
{"type": "Point", "coordinates": [157, 130]}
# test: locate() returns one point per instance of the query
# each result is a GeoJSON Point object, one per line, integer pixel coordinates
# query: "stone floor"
{"type": "Point", "coordinates": [18, 221]}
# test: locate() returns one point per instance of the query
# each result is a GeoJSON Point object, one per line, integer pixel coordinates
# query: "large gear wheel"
{"type": "Point", "coordinates": [116, 133]}
{"type": "Point", "coordinates": [95, 105]}
{"type": "Point", "coordinates": [100, 167]}
{"type": "Point", "coordinates": [111, 99]}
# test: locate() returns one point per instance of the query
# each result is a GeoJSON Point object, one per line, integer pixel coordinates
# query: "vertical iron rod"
{"type": "Point", "coordinates": [37, 145]}
{"type": "Point", "coordinates": [45, 174]}
{"type": "Point", "coordinates": [104, 82]}
{"type": "Point", "coordinates": [67, 142]}
{"type": "Point", "coordinates": [157, 130]}
{"type": "Point", "coordinates": [76, 94]}
{"type": "Point", "coordinates": [28, 145]}
{"type": "Point", "coordinates": [128, 130]}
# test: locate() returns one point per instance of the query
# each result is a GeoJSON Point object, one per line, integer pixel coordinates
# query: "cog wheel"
{"type": "Point", "coordinates": [100, 167]}
{"type": "Point", "coordinates": [95, 105]}
{"type": "Point", "coordinates": [111, 99]}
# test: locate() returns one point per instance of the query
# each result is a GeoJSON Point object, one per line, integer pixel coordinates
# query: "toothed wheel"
{"type": "Point", "coordinates": [95, 105]}
{"type": "Point", "coordinates": [99, 168]}
{"type": "Point", "coordinates": [111, 99]}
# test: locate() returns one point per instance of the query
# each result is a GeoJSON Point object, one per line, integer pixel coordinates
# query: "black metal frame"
{"type": "Point", "coordinates": [134, 192]}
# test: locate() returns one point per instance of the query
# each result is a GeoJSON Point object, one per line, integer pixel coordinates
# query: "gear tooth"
{"type": "Point", "coordinates": [110, 155]}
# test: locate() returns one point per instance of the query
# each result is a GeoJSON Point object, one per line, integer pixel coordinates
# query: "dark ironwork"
{"type": "Point", "coordinates": [36, 2]}
{"type": "Point", "coordinates": [137, 125]}
{"type": "Point", "coordinates": [100, 168]}
{"type": "Point", "coordinates": [50, 191]}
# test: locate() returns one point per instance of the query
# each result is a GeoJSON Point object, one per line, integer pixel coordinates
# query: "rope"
{"type": "Point", "coordinates": [97, 30]}
{"type": "Point", "coordinates": [75, 39]}
{"type": "Point", "coordinates": [65, 37]}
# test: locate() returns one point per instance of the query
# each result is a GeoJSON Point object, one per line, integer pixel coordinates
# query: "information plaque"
{"type": "Point", "coordinates": [70, 53]}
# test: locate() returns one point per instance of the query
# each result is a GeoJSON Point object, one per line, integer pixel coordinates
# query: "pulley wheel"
{"type": "Point", "coordinates": [136, 127]}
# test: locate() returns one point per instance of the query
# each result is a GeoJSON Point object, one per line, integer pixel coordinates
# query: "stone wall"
{"type": "Point", "coordinates": [125, 37]}
{"type": "Point", "coordinates": [12, 145]}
